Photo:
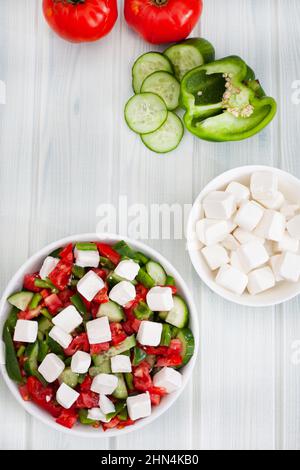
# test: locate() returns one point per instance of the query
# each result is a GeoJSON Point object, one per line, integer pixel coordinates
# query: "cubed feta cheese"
{"type": "Point", "coordinates": [230, 243]}
{"type": "Point", "coordinates": [289, 210]}
{"type": "Point", "coordinates": [90, 285]}
{"type": "Point", "coordinates": [219, 205]}
{"type": "Point", "coordinates": [26, 331]}
{"type": "Point", "coordinates": [274, 203]}
{"type": "Point", "coordinates": [232, 279]}
{"type": "Point", "coordinates": [269, 246]}
{"type": "Point", "coordinates": [293, 227]}
{"type": "Point", "coordinates": [252, 255]}
{"type": "Point", "coordinates": [240, 192]}
{"type": "Point", "coordinates": [236, 262]}
{"type": "Point", "coordinates": [149, 333]}
{"type": "Point", "coordinates": [215, 256]}
{"type": "Point", "coordinates": [80, 362]}
{"type": "Point", "coordinates": [169, 379]}
{"type": "Point", "coordinates": [123, 293]}
{"type": "Point", "coordinates": [95, 414]}
{"type": "Point", "coordinates": [275, 266]}
{"type": "Point", "coordinates": [247, 237]}
{"type": "Point", "coordinates": [271, 226]}
{"type": "Point", "coordinates": [98, 331]}
{"type": "Point", "coordinates": [87, 258]}
{"type": "Point", "coordinates": [66, 396]}
{"type": "Point", "coordinates": [287, 243]}
{"type": "Point", "coordinates": [60, 336]}
{"type": "Point", "coordinates": [68, 319]}
{"type": "Point", "coordinates": [139, 406]}
{"type": "Point", "coordinates": [211, 232]}
{"type": "Point", "coordinates": [249, 215]}
{"type": "Point", "coordinates": [104, 384]}
{"type": "Point", "coordinates": [120, 364]}
{"type": "Point", "coordinates": [264, 185]}
{"type": "Point", "coordinates": [48, 266]}
{"type": "Point", "coordinates": [260, 280]}
{"type": "Point", "coordinates": [289, 267]}
{"type": "Point", "coordinates": [106, 405]}
{"type": "Point", "coordinates": [160, 299]}
{"type": "Point", "coordinates": [51, 367]}
{"type": "Point", "coordinates": [127, 269]}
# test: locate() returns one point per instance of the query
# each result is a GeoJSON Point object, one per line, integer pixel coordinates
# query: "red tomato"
{"type": "Point", "coordinates": [29, 314]}
{"type": "Point", "coordinates": [79, 343]}
{"type": "Point", "coordinates": [65, 296]}
{"type": "Point", "coordinates": [117, 333]}
{"type": "Point", "coordinates": [81, 20]}
{"type": "Point", "coordinates": [108, 252]}
{"type": "Point", "coordinates": [156, 394]}
{"type": "Point", "coordinates": [43, 396]}
{"type": "Point", "coordinates": [171, 360]}
{"type": "Point", "coordinates": [176, 345]}
{"type": "Point", "coordinates": [124, 424]}
{"type": "Point", "coordinates": [86, 384]}
{"type": "Point", "coordinates": [102, 296]}
{"type": "Point", "coordinates": [112, 424]}
{"type": "Point", "coordinates": [141, 377]}
{"type": "Point", "coordinates": [162, 21]}
{"type": "Point", "coordinates": [159, 351]}
{"type": "Point", "coordinates": [23, 389]}
{"type": "Point", "coordinates": [61, 274]}
{"type": "Point", "coordinates": [28, 282]}
{"type": "Point", "coordinates": [87, 400]}
{"type": "Point", "coordinates": [99, 348]}
{"type": "Point", "coordinates": [67, 253]}
{"type": "Point", "coordinates": [45, 293]}
{"type": "Point", "coordinates": [67, 418]}
{"type": "Point", "coordinates": [101, 273]}
{"type": "Point", "coordinates": [53, 303]}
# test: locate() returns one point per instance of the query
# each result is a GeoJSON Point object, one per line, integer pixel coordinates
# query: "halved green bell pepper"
{"type": "Point", "coordinates": [224, 102]}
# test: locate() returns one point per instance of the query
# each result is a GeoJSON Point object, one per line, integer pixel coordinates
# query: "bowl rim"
{"type": "Point", "coordinates": [213, 185]}
{"type": "Point", "coordinates": [79, 431]}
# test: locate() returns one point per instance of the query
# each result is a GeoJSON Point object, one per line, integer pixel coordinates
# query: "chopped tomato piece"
{"type": "Point", "coordinates": [30, 314]}
{"type": "Point", "coordinates": [117, 333]}
{"type": "Point", "coordinates": [136, 325]}
{"type": "Point", "coordinates": [141, 377]}
{"type": "Point", "coordinates": [159, 351]}
{"type": "Point", "coordinates": [23, 389]}
{"type": "Point", "coordinates": [65, 296]}
{"type": "Point", "coordinates": [175, 345]}
{"type": "Point", "coordinates": [53, 303]}
{"type": "Point", "coordinates": [45, 293]}
{"type": "Point", "coordinates": [79, 343]}
{"type": "Point", "coordinates": [108, 252]}
{"type": "Point", "coordinates": [101, 273]}
{"type": "Point", "coordinates": [128, 328]}
{"type": "Point", "coordinates": [86, 302]}
{"type": "Point", "coordinates": [155, 398]}
{"type": "Point", "coordinates": [171, 360]}
{"type": "Point", "coordinates": [112, 424]}
{"type": "Point", "coordinates": [28, 282]}
{"type": "Point", "coordinates": [67, 418]}
{"type": "Point", "coordinates": [99, 348]}
{"type": "Point", "coordinates": [86, 384]}
{"type": "Point", "coordinates": [61, 274]}
{"type": "Point", "coordinates": [141, 293]}
{"type": "Point", "coordinates": [94, 308]}
{"type": "Point", "coordinates": [158, 391]}
{"type": "Point", "coordinates": [67, 253]}
{"type": "Point", "coordinates": [43, 396]}
{"type": "Point", "coordinates": [124, 424]}
{"type": "Point", "coordinates": [102, 296]}
{"type": "Point", "coordinates": [87, 400]}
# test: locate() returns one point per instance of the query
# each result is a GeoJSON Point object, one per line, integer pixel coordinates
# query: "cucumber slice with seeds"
{"type": "Point", "coordinates": [179, 315]}
{"type": "Point", "coordinates": [167, 137]}
{"type": "Point", "coordinates": [21, 300]}
{"type": "Point", "coordinates": [145, 113]}
{"type": "Point", "coordinates": [112, 311]}
{"type": "Point", "coordinates": [157, 272]}
{"type": "Point", "coordinates": [146, 65]}
{"type": "Point", "coordinates": [188, 344]}
{"type": "Point", "coordinates": [164, 85]}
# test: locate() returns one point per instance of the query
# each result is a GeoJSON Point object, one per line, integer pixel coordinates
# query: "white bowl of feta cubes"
{"type": "Point", "coordinates": [34, 264]}
{"type": "Point", "coordinates": [243, 236]}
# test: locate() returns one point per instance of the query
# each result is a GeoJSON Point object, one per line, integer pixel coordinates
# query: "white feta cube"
{"type": "Point", "coordinates": [247, 237]}
{"type": "Point", "coordinates": [252, 255]}
{"type": "Point", "coordinates": [240, 192]}
{"type": "Point", "coordinates": [219, 205]}
{"type": "Point", "coordinates": [287, 243]}
{"type": "Point", "coordinates": [289, 267]}
{"type": "Point", "coordinates": [236, 262]}
{"type": "Point", "coordinates": [260, 280]}
{"type": "Point", "coordinates": [271, 226]}
{"type": "Point", "coordinates": [274, 203]}
{"type": "Point", "coordinates": [104, 384]}
{"type": "Point", "coordinates": [68, 319]}
{"type": "Point", "coordinates": [293, 227]}
{"type": "Point", "coordinates": [211, 232]}
{"type": "Point", "coordinates": [96, 414]}
{"type": "Point", "coordinates": [149, 333]}
{"type": "Point", "coordinates": [127, 269]}
{"type": "Point", "coordinates": [249, 215]}
{"type": "Point", "coordinates": [123, 293]}
{"type": "Point", "coordinates": [264, 185]}
{"type": "Point", "coordinates": [160, 299]}
{"type": "Point", "coordinates": [232, 279]}
{"type": "Point", "coordinates": [66, 396]}
{"type": "Point", "coordinates": [215, 256]}
{"type": "Point", "coordinates": [80, 362]}
{"type": "Point", "coordinates": [98, 331]}
{"type": "Point", "coordinates": [269, 246]}
{"type": "Point", "coordinates": [51, 367]}
{"type": "Point", "coordinates": [87, 258]}
{"type": "Point", "coordinates": [169, 379]}
{"type": "Point", "coordinates": [48, 266]}
{"type": "Point", "coordinates": [106, 405]}
{"type": "Point", "coordinates": [60, 336]}
{"type": "Point", "coordinates": [289, 210]}
{"type": "Point", "coordinates": [26, 331]}
{"type": "Point", "coordinates": [275, 266]}
{"type": "Point", "coordinates": [120, 364]}
{"type": "Point", "coordinates": [139, 406]}
{"type": "Point", "coordinates": [230, 243]}
{"type": "Point", "coordinates": [90, 285]}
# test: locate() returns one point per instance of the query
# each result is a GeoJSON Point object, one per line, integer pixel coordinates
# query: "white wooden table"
{"type": "Point", "coordinates": [64, 149]}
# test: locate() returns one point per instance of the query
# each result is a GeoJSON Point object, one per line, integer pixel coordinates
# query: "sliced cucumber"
{"type": "Point", "coordinates": [121, 391]}
{"type": "Point", "coordinates": [179, 315]}
{"type": "Point", "coordinates": [21, 300]}
{"type": "Point", "coordinates": [145, 113]}
{"type": "Point", "coordinates": [188, 344]}
{"type": "Point", "coordinates": [128, 343]}
{"type": "Point", "coordinates": [102, 365]}
{"type": "Point", "coordinates": [190, 54]}
{"type": "Point", "coordinates": [145, 65]}
{"type": "Point", "coordinates": [167, 137]}
{"type": "Point", "coordinates": [164, 85]}
{"type": "Point", "coordinates": [69, 378]}
{"type": "Point", "coordinates": [111, 310]}
{"type": "Point", "coordinates": [157, 272]}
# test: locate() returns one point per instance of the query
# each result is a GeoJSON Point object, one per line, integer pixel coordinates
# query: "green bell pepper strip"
{"type": "Point", "coordinates": [223, 102]}
{"type": "Point", "coordinates": [21, 351]}
{"type": "Point", "coordinates": [35, 301]}
{"type": "Point", "coordinates": [138, 356]}
{"type": "Point", "coordinates": [79, 305]}
{"type": "Point", "coordinates": [11, 361]}
{"type": "Point", "coordinates": [78, 271]}
{"type": "Point", "coordinates": [170, 281]}
{"type": "Point", "coordinates": [106, 263]}
{"type": "Point", "coordinates": [144, 278]}
{"type": "Point", "coordinates": [142, 312]}
{"type": "Point", "coordinates": [124, 250]}
{"type": "Point", "coordinates": [46, 284]}
{"type": "Point", "coordinates": [129, 381]}
{"type": "Point", "coordinates": [86, 246]}
{"type": "Point", "coordinates": [166, 335]}
{"type": "Point", "coordinates": [82, 415]}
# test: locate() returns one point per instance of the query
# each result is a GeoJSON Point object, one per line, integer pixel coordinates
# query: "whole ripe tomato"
{"type": "Point", "coordinates": [163, 21]}
{"type": "Point", "coordinates": [81, 20]}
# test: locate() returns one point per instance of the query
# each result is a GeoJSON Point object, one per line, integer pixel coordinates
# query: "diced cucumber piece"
{"type": "Point", "coordinates": [69, 378]}
{"type": "Point", "coordinates": [157, 272]}
{"type": "Point", "coordinates": [103, 368]}
{"type": "Point", "coordinates": [145, 113]}
{"type": "Point", "coordinates": [190, 54]}
{"type": "Point", "coordinates": [179, 315]}
{"type": "Point", "coordinates": [144, 278]}
{"type": "Point", "coordinates": [21, 300]}
{"type": "Point", "coordinates": [113, 311]}
{"type": "Point", "coordinates": [128, 343]}
{"type": "Point", "coordinates": [167, 137]}
{"type": "Point", "coordinates": [121, 391]}
{"type": "Point", "coordinates": [145, 65]}
{"type": "Point", "coordinates": [188, 344]}
{"type": "Point", "coordinates": [164, 85]}
{"type": "Point", "coordinates": [44, 325]}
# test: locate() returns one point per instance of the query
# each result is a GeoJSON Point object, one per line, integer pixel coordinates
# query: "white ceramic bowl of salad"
{"type": "Point", "coordinates": [289, 186]}
{"type": "Point", "coordinates": [34, 265]}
